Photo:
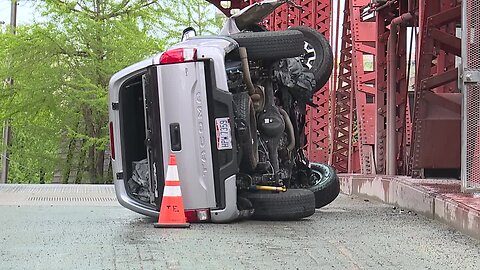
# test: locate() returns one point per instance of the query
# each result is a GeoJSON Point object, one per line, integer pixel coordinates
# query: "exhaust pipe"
{"type": "Point", "coordinates": [246, 70]}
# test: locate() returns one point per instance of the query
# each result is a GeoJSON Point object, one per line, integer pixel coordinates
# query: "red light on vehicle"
{"type": "Point", "coordinates": [112, 141]}
{"type": "Point", "coordinates": [197, 215]}
{"type": "Point", "coordinates": [179, 55]}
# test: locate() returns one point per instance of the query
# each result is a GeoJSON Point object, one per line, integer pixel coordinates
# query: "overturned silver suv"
{"type": "Point", "coordinates": [232, 108]}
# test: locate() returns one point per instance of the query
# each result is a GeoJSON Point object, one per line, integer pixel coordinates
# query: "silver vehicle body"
{"type": "Point", "coordinates": [182, 99]}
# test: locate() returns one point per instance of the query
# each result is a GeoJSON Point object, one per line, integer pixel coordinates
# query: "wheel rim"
{"type": "Point", "coordinates": [310, 55]}
{"type": "Point", "coordinates": [317, 177]}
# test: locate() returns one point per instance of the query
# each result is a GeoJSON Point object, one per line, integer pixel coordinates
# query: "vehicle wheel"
{"type": "Point", "coordinates": [256, 28]}
{"type": "Point", "coordinates": [326, 185]}
{"type": "Point", "coordinates": [246, 131]}
{"type": "Point", "coordinates": [271, 45]}
{"type": "Point", "coordinates": [317, 55]}
{"type": "Point", "coordinates": [290, 205]}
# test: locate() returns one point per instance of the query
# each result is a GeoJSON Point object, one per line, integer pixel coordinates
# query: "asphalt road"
{"type": "Point", "coordinates": [349, 234]}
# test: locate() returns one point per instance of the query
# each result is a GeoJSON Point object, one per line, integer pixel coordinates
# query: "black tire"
{"type": "Point", "coordinates": [255, 28]}
{"type": "Point", "coordinates": [271, 45]}
{"type": "Point", "coordinates": [246, 131]}
{"type": "Point", "coordinates": [326, 185]}
{"type": "Point", "coordinates": [321, 66]}
{"type": "Point", "coordinates": [293, 204]}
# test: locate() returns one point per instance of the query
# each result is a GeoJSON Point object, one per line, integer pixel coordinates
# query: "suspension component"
{"type": "Point", "coordinates": [270, 188]}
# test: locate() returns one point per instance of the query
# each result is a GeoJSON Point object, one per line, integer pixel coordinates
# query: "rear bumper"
{"type": "Point", "coordinates": [227, 214]}
{"type": "Point", "coordinates": [230, 212]}
{"type": "Point", "coordinates": [128, 202]}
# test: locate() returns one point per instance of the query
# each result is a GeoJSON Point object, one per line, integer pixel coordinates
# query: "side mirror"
{"type": "Point", "coordinates": [188, 33]}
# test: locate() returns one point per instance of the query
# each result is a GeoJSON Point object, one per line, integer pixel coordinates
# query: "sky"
{"type": "Point", "coordinates": [24, 11]}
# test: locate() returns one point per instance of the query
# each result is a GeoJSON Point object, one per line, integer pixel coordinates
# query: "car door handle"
{"type": "Point", "coordinates": [175, 139]}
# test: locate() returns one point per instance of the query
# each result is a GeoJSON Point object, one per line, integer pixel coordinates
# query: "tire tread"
{"type": "Point", "coordinates": [293, 204]}
{"type": "Point", "coordinates": [272, 45]}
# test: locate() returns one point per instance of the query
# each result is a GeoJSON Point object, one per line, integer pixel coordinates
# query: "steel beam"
{"type": "Point", "coordinates": [342, 149]}
{"type": "Point", "coordinates": [436, 115]}
{"type": "Point", "coordinates": [382, 21]}
{"type": "Point", "coordinates": [363, 51]}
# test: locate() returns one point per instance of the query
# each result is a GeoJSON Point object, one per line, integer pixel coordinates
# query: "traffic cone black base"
{"type": "Point", "coordinates": [172, 225]}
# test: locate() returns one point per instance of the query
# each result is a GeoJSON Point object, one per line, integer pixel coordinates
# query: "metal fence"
{"type": "Point", "coordinates": [471, 95]}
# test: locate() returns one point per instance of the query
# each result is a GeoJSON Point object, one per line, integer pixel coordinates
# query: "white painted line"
{"type": "Point", "coordinates": [172, 173]}
{"type": "Point", "coordinates": [172, 191]}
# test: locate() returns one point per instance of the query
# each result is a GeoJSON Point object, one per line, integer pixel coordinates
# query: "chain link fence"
{"type": "Point", "coordinates": [471, 95]}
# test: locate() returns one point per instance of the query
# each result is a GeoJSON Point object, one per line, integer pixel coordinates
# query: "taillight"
{"type": "Point", "coordinates": [197, 215]}
{"type": "Point", "coordinates": [112, 141]}
{"type": "Point", "coordinates": [179, 55]}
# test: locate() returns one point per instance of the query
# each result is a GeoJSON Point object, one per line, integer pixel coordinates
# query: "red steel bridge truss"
{"type": "Point", "coordinates": [394, 105]}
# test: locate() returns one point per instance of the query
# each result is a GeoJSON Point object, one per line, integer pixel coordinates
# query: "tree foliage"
{"type": "Point", "coordinates": [196, 13]}
{"type": "Point", "coordinates": [61, 67]}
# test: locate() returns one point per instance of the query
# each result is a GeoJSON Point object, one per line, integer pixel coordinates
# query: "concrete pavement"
{"type": "Point", "coordinates": [351, 233]}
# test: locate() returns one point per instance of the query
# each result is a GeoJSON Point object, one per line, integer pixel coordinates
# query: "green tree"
{"type": "Point", "coordinates": [61, 74]}
{"type": "Point", "coordinates": [31, 103]}
{"type": "Point", "coordinates": [199, 14]}
{"type": "Point", "coordinates": [61, 69]}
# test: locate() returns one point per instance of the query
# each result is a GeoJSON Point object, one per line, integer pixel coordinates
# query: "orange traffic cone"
{"type": "Point", "coordinates": [172, 212]}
